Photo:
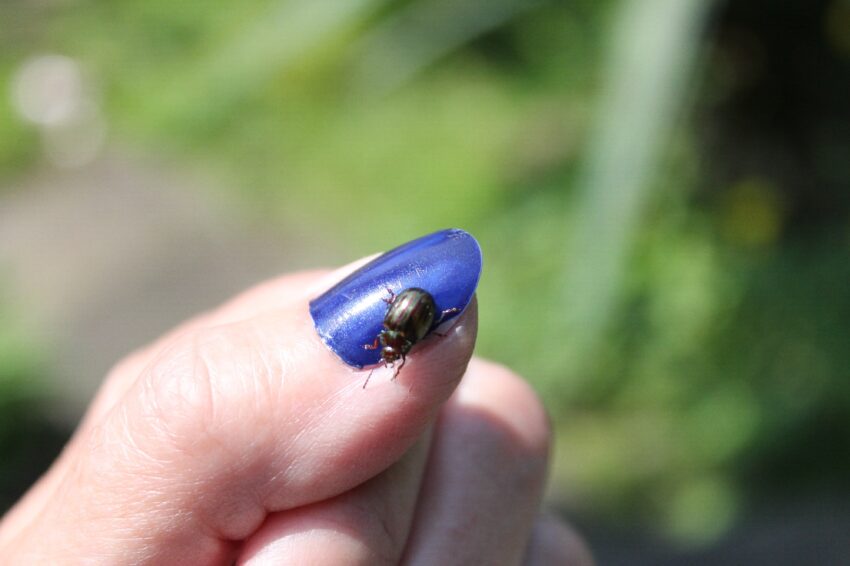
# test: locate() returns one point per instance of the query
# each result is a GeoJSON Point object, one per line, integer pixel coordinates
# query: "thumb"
{"type": "Point", "coordinates": [229, 422]}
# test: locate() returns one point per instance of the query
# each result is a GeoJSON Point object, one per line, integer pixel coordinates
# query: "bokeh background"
{"type": "Point", "coordinates": [660, 187]}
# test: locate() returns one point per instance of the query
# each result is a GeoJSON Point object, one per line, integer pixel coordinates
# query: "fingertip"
{"type": "Point", "coordinates": [505, 393]}
{"type": "Point", "coordinates": [434, 277]}
{"type": "Point", "coordinates": [487, 472]}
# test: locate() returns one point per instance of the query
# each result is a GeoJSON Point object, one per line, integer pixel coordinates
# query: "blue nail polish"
{"type": "Point", "coordinates": [350, 315]}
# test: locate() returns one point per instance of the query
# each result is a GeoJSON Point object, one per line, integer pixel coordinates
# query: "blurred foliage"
{"type": "Point", "coordinates": [720, 350]}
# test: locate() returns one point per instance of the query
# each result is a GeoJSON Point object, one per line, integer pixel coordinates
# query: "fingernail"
{"type": "Point", "coordinates": [350, 315]}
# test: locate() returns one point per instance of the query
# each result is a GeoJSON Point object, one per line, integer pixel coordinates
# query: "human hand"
{"type": "Point", "coordinates": [240, 437]}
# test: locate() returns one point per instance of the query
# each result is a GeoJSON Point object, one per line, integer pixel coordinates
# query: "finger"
{"type": "Point", "coordinates": [486, 473]}
{"type": "Point", "coordinates": [219, 435]}
{"type": "Point", "coordinates": [229, 422]}
{"type": "Point", "coordinates": [269, 295]}
{"type": "Point", "coordinates": [368, 525]}
{"type": "Point", "coordinates": [554, 543]}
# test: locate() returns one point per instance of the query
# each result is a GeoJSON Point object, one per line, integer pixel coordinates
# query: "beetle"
{"type": "Point", "coordinates": [410, 317]}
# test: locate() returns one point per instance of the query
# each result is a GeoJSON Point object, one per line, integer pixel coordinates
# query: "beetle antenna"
{"type": "Point", "coordinates": [368, 377]}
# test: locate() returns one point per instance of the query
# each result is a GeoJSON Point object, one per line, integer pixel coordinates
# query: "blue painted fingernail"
{"type": "Point", "coordinates": [350, 315]}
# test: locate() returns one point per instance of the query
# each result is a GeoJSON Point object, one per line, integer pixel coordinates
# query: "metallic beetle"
{"type": "Point", "coordinates": [410, 317]}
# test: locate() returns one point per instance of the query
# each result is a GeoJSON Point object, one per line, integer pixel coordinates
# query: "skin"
{"type": "Point", "coordinates": [239, 438]}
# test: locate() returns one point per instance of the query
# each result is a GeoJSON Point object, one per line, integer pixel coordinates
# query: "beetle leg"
{"type": "Point", "coordinates": [392, 297]}
{"type": "Point", "coordinates": [372, 346]}
{"type": "Point", "coordinates": [446, 312]}
{"type": "Point", "coordinates": [401, 365]}
{"type": "Point", "coordinates": [440, 320]}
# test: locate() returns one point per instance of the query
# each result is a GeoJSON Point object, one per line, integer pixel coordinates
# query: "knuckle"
{"type": "Point", "coordinates": [213, 390]}
{"type": "Point", "coordinates": [179, 395]}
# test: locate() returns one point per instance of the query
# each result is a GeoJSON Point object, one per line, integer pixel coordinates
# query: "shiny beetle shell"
{"type": "Point", "coordinates": [409, 318]}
